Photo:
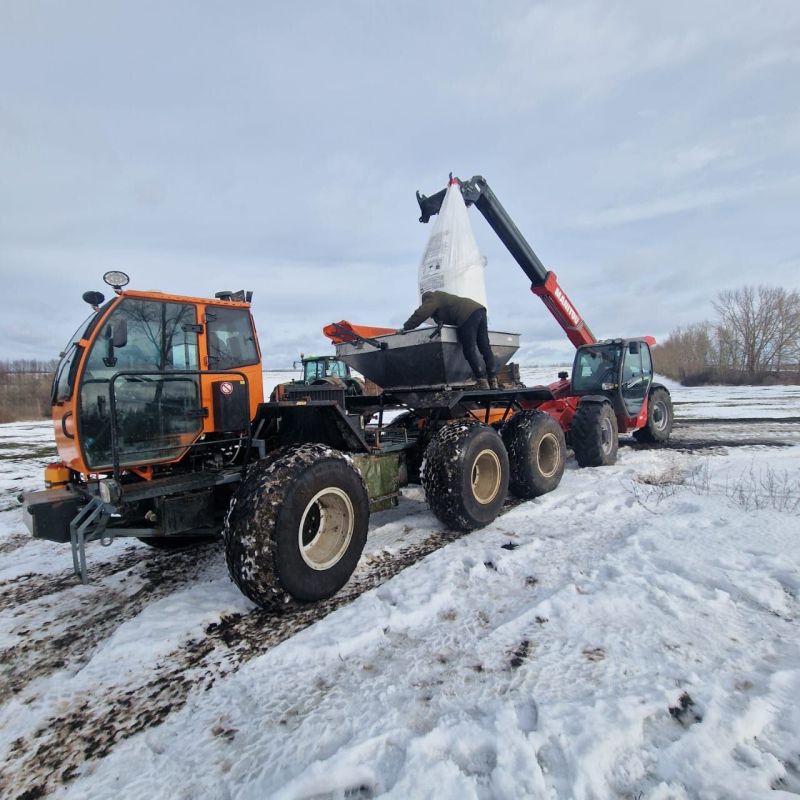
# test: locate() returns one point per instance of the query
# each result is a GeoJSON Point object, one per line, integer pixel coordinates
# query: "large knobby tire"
{"type": "Point", "coordinates": [465, 475]}
{"type": "Point", "coordinates": [536, 453]}
{"type": "Point", "coordinates": [296, 526]}
{"type": "Point", "coordinates": [594, 435]}
{"type": "Point", "coordinates": [660, 417]}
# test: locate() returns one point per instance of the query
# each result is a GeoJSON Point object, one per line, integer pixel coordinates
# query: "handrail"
{"type": "Point", "coordinates": [112, 404]}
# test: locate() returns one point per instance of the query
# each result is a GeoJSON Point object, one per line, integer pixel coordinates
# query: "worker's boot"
{"type": "Point", "coordinates": [482, 384]}
{"type": "Point", "coordinates": [493, 383]}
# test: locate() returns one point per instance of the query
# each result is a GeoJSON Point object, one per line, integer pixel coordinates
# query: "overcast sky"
{"type": "Point", "coordinates": [650, 153]}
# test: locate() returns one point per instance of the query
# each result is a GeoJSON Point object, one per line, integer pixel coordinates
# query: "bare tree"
{"type": "Point", "coordinates": [758, 329]}
{"type": "Point", "coordinates": [687, 353]}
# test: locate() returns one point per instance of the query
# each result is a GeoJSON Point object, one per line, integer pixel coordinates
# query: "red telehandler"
{"type": "Point", "coordinates": [612, 388]}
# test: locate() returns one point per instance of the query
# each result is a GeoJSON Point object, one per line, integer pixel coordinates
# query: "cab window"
{"type": "Point", "coordinates": [595, 366]}
{"type": "Point", "coordinates": [338, 369]}
{"type": "Point", "coordinates": [138, 359]}
{"type": "Point", "coordinates": [231, 339]}
{"type": "Point", "coordinates": [64, 378]}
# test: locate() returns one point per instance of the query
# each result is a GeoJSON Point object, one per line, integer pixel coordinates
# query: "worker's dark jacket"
{"type": "Point", "coordinates": [444, 308]}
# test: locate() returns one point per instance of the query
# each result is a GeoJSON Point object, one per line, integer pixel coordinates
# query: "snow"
{"type": "Point", "coordinates": [633, 634]}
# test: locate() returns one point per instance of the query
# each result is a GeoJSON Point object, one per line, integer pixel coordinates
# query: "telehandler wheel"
{"type": "Point", "coordinates": [465, 475]}
{"type": "Point", "coordinates": [660, 417]}
{"type": "Point", "coordinates": [296, 526]}
{"type": "Point", "coordinates": [536, 453]}
{"type": "Point", "coordinates": [594, 435]}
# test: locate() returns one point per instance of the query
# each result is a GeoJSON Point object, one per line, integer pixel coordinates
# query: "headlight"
{"type": "Point", "coordinates": [116, 279]}
{"type": "Point", "coordinates": [110, 491]}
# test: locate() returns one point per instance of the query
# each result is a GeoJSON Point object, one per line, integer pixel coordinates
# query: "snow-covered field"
{"type": "Point", "coordinates": [634, 634]}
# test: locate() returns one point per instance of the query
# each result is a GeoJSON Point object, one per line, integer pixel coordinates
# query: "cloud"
{"type": "Point", "coordinates": [279, 148]}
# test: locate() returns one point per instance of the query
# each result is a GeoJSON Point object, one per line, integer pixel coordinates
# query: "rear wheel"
{"type": "Point", "coordinates": [536, 453]}
{"type": "Point", "coordinates": [660, 417]}
{"type": "Point", "coordinates": [465, 475]}
{"type": "Point", "coordinates": [593, 435]}
{"type": "Point", "coordinates": [297, 526]}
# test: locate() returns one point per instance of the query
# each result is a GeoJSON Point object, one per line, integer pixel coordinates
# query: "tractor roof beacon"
{"type": "Point", "coordinates": [163, 434]}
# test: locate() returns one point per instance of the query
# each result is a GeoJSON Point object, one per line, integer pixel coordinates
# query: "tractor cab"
{"type": "Point", "coordinates": [148, 375]}
{"type": "Point", "coordinates": [319, 371]}
{"type": "Point", "coordinates": [620, 369]}
{"type": "Point", "coordinates": [316, 368]}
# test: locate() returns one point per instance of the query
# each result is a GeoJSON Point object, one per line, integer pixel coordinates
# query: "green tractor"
{"type": "Point", "coordinates": [320, 371]}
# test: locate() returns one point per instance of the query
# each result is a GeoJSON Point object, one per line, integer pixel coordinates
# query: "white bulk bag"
{"type": "Point", "coordinates": [452, 262]}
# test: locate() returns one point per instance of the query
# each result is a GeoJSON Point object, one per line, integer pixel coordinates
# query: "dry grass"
{"type": "Point", "coordinates": [752, 490]}
{"type": "Point", "coordinates": [24, 396]}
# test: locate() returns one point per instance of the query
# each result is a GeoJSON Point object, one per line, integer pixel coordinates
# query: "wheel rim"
{"type": "Point", "coordinates": [606, 435]}
{"type": "Point", "coordinates": [547, 455]}
{"type": "Point", "coordinates": [486, 473]}
{"type": "Point", "coordinates": [659, 417]}
{"type": "Point", "coordinates": [326, 528]}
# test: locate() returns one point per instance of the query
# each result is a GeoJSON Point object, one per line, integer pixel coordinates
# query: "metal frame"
{"type": "Point", "coordinates": [88, 524]}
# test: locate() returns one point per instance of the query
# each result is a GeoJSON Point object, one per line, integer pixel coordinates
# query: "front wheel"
{"type": "Point", "coordinates": [297, 526]}
{"type": "Point", "coordinates": [465, 475]}
{"type": "Point", "coordinates": [594, 435]}
{"type": "Point", "coordinates": [660, 416]}
{"type": "Point", "coordinates": [536, 453]}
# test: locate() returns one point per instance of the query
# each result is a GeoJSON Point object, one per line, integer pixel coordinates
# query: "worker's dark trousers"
{"type": "Point", "coordinates": [474, 337]}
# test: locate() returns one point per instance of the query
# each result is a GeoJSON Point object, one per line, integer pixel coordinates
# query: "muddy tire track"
{"type": "Point", "coordinates": [13, 542]}
{"type": "Point", "coordinates": [693, 445]}
{"type": "Point", "coordinates": [57, 750]}
{"type": "Point", "coordinates": [695, 434]}
{"type": "Point", "coordinates": [721, 421]}
{"type": "Point", "coordinates": [68, 637]}
{"type": "Point", "coordinates": [32, 586]}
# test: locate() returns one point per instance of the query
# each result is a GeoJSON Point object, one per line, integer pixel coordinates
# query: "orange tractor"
{"type": "Point", "coordinates": [163, 435]}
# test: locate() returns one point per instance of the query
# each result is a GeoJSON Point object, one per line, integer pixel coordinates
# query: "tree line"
{"type": "Point", "coordinates": [755, 338]}
{"type": "Point", "coordinates": [25, 388]}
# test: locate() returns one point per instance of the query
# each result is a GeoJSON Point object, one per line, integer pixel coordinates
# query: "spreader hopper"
{"type": "Point", "coordinates": [425, 357]}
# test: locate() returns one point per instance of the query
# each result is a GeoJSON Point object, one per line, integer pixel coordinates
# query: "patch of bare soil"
{"type": "Point", "coordinates": [32, 586]}
{"type": "Point", "coordinates": [13, 542]}
{"type": "Point", "coordinates": [66, 634]}
{"type": "Point", "coordinates": [58, 749]}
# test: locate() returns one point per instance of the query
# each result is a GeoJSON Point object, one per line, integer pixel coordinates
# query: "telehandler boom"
{"type": "Point", "coordinates": [612, 387]}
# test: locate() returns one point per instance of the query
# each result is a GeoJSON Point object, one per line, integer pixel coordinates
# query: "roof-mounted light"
{"type": "Point", "coordinates": [116, 280]}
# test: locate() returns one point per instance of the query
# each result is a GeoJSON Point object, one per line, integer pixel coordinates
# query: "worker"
{"type": "Point", "coordinates": [469, 318]}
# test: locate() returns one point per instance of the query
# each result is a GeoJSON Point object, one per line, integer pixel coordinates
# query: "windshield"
{"type": "Point", "coordinates": [135, 394]}
{"type": "Point", "coordinates": [65, 372]}
{"type": "Point", "coordinates": [324, 368]}
{"type": "Point", "coordinates": [594, 366]}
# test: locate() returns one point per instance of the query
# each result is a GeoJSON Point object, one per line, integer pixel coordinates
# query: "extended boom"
{"type": "Point", "coordinates": [544, 283]}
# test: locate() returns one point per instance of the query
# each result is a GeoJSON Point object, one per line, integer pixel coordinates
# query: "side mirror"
{"type": "Point", "coordinates": [120, 338]}
{"type": "Point", "coordinates": [115, 337]}
{"type": "Point", "coordinates": [633, 348]}
{"type": "Point", "coordinates": [94, 299]}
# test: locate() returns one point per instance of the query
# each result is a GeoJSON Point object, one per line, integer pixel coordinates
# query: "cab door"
{"type": "Point", "coordinates": [636, 377]}
{"type": "Point", "coordinates": [231, 347]}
